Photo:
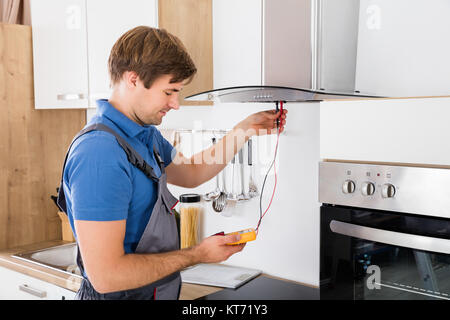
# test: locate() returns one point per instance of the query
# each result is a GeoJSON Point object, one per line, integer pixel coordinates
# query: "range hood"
{"type": "Point", "coordinates": [293, 61]}
{"type": "Point", "coordinates": [263, 94]}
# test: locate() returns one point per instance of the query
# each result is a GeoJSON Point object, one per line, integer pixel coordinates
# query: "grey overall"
{"type": "Point", "coordinates": [160, 234]}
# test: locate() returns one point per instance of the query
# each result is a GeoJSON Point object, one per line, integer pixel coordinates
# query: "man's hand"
{"type": "Point", "coordinates": [214, 249]}
{"type": "Point", "coordinates": [261, 123]}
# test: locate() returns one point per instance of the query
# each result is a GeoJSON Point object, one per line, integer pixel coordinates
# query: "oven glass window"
{"type": "Point", "coordinates": [389, 272]}
{"type": "Point", "coordinates": [355, 266]}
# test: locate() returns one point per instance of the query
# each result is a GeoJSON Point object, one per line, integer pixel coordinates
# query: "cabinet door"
{"type": "Point", "coordinates": [191, 22]}
{"type": "Point", "coordinates": [237, 33]}
{"type": "Point", "coordinates": [17, 286]}
{"type": "Point", "coordinates": [403, 52]}
{"type": "Point", "coordinates": [107, 20]}
{"type": "Point", "coordinates": [59, 53]}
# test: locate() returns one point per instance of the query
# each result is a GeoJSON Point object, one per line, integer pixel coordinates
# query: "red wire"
{"type": "Point", "coordinates": [275, 185]}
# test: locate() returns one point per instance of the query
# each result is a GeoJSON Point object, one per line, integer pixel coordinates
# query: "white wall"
{"type": "Point", "coordinates": [392, 130]}
{"type": "Point", "coordinates": [288, 241]}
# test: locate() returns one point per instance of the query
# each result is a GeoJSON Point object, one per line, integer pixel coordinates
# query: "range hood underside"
{"type": "Point", "coordinates": [263, 94]}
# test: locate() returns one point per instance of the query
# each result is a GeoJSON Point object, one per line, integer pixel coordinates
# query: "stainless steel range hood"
{"type": "Point", "coordinates": [263, 94]}
{"type": "Point", "coordinates": [291, 56]}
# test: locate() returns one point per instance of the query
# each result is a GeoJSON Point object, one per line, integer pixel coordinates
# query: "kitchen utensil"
{"type": "Point", "coordinates": [234, 181]}
{"type": "Point", "coordinates": [215, 193]}
{"type": "Point", "coordinates": [231, 197]}
{"type": "Point", "coordinates": [252, 188]}
{"type": "Point", "coordinates": [220, 203]}
{"type": "Point", "coordinates": [243, 195]}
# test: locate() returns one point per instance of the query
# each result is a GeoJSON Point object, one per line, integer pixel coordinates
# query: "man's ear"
{"type": "Point", "coordinates": [131, 78]}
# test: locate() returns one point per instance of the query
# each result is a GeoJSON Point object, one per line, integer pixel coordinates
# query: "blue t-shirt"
{"type": "Point", "coordinates": [100, 183]}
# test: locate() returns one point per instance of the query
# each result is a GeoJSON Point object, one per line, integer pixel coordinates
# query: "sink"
{"type": "Point", "coordinates": [62, 258]}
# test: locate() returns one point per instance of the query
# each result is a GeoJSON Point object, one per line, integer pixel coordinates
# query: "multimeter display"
{"type": "Point", "coordinates": [246, 236]}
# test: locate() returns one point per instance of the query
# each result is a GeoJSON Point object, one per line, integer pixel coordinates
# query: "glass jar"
{"type": "Point", "coordinates": [191, 210]}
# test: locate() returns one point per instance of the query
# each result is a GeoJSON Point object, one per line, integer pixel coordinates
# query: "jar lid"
{"type": "Point", "coordinates": [190, 198]}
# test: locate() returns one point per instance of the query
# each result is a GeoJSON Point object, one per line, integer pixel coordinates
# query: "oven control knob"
{"type": "Point", "coordinates": [368, 188]}
{"type": "Point", "coordinates": [348, 186]}
{"type": "Point", "coordinates": [388, 191]}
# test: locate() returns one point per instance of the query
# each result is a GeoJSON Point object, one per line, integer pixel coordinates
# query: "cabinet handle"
{"type": "Point", "coordinates": [71, 96]}
{"type": "Point", "coordinates": [35, 292]}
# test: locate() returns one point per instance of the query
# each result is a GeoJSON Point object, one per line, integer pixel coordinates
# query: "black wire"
{"type": "Point", "coordinates": [267, 174]}
{"type": "Point", "coordinates": [262, 191]}
{"type": "Point", "coordinates": [263, 185]}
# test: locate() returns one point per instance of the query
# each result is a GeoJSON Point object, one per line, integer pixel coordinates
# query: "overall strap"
{"type": "Point", "coordinates": [132, 155]}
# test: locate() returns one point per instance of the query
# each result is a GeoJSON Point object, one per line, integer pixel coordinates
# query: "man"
{"type": "Point", "coordinates": [117, 169]}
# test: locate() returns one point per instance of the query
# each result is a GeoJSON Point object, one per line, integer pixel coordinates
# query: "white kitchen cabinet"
{"type": "Point", "coordinates": [72, 40]}
{"type": "Point", "coordinates": [237, 28]}
{"type": "Point", "coordinates": [59, 53]}
{"type": "Point", "coordinates": [410, 44]}
{"type": "Point", "coordinates": [107, 20]}
{"type": "Point", "coordinates": [17, 286]}
{"type": "Point", "coordinates": [390, 130]}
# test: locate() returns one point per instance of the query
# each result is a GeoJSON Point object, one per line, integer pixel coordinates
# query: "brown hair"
{"type": "Point", "coordinates": [151, 53]}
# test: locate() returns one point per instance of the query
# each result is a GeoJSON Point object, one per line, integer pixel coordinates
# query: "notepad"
{"type": "Point", "coordinates": [218, 275]}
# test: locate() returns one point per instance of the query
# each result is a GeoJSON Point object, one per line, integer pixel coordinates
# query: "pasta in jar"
{"type": "Point", "coordinates": [190, 216]}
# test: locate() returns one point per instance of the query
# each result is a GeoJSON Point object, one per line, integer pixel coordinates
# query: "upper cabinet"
{"type": "Point", "coordinates": [107, 20]}
{"type": "Point", "coordinates": [383, 47]}
{"type": "Point", "coordinates": [60, 58]}
{"type": "Point", "coordinates": [71, 44]}
{"type": "Point", "coordinates": [403, 47]}
{"type": "Point", "coordinates": [191, 22]}
{"type": "Point", "coordinates": [237, 45]}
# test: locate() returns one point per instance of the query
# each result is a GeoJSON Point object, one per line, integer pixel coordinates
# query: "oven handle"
{"type": "Point", "coordinates": [390, 237]}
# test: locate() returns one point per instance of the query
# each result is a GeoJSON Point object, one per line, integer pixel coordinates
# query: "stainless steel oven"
{"type": "Point", "coordinates": [385, 232]}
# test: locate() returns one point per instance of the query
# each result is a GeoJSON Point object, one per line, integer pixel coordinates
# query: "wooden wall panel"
{"type": "Point", "coordinates": [32, 146]}
{"type": "Point", "coordinates": [191, 21]}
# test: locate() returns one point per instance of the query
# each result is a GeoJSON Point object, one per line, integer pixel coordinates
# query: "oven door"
{"type": "Point", "coordinates": [372, 254]}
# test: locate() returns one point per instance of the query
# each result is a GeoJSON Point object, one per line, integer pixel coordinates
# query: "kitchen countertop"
{"type": "Point", "coordinates": [188, 291]}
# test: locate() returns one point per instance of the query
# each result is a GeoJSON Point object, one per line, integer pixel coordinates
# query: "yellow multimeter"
{"type": "Point", "coordinates": [246, 236]}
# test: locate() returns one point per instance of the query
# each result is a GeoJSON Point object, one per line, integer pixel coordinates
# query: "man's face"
{"type": "Point", "coordinates": [152, 104]}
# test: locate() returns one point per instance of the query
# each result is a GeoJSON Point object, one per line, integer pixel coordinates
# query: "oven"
{"type": "Point", "coordinates": [385, 232]}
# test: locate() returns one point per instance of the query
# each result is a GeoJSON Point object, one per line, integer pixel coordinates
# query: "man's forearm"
{"type": "Point", "coordinates": [208, 163]}
{"type": "Point", "coordinates": [136, 270]}
{"type": "Point", "coordinates": [131, 271]}
{"type": "Point", "coordinates": [202, 167]}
